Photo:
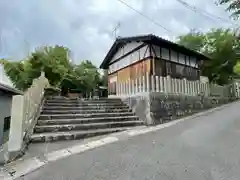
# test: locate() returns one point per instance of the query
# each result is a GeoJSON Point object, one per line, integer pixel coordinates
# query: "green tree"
{"type": "Point", "coordinates": [58, 68]}
{"type": "Point", "coordinates": [193, 40]}
{"type": "Point", "coordinates": [89, 75]}
{"type": "Point", "coordinates": [232, 6]}
{"type": "Point", "coordinates": [221, 45]}
{"type": "Point", "coordinates": [17, 73]}
{"type": "Point", "coordinates": [54, 61]}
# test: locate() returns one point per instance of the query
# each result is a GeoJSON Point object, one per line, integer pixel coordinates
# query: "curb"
{"type": "Point", "coordinates": [20, 168]}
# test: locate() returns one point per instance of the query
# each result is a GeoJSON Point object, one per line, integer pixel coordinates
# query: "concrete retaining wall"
{"type": "Point", "coordinates": [140, 104]}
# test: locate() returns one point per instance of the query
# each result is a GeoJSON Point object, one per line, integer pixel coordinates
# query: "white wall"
{"type": "Point", "coordinates": [126, 49]}
{"type": "Point", "coordinates": [130, 59]}
{"type": "Point", "coordinates": [138, 55]}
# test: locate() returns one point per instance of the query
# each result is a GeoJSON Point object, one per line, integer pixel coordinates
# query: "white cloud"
{"type": "Point", "coordinates": [86, 26]}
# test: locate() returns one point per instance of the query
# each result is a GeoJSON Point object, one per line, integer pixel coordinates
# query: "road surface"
{"type": "Point", "coordinates": [204, 148]}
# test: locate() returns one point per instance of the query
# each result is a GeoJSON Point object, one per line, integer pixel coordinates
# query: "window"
{"type": "Point", "coordinates": [7, 121]}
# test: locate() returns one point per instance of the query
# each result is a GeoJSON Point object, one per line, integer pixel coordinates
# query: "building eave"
{"type": "Point", "coordinates": [9, 89]}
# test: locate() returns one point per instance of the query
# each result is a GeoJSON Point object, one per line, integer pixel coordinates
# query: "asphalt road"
{"type": "Point", "coordinates": [204, 148]}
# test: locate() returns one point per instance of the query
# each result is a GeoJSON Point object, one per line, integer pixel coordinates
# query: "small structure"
{"type": "Point", "coordinates": [6, 94]}
{"type": "Point", "coordinates": [133, 57]}
{"type": "Point", "coordinates": [158, 79]}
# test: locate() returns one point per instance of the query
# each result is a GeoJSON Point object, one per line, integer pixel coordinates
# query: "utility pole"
{"type": "Point", "coordinates": [115, 30]}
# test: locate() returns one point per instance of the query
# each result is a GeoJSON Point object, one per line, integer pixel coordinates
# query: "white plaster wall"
{"type": "Point", "coordinates": [140, 54]}
{"type": "Point", "coordinates": [126, 49]}
{"type": "Point", "coordinates": [130, 59]}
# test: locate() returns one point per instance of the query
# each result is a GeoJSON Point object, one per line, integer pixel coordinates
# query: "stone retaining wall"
{"type": "Point", "coordinates": [140, 104]}
{"type": "Point", "coordinates": [156, 108]}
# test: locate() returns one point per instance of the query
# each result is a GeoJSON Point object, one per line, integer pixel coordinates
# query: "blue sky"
{"type": "Point", "coordinates": [85, 26]}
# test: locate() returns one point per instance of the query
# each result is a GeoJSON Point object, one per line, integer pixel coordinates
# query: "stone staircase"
{"type": "Point", "coordinates": [68, 119]}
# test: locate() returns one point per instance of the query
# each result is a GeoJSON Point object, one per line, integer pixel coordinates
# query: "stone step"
{"type": "Point", "coordinates": [79, 111]}
{"type": "Point", "coordinates": [76, 116]}
{"type": "Point", "coordinates": [86, 120]}
{"type": "Point", "coordinates": [72, 135]}
{"type": "Point", "coordinates": [47, 108]}
{"type": "Point", "coordinates": [85, 105]}
{"type": "Point", "coordinates": [88, 126]}
{"type": "Point", "coordinates": [83, 102]}
{"type": "Point", "coordinates": [82, 99]}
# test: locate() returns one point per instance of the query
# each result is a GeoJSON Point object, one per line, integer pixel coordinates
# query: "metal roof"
{"type": "Point", "coordinates": [9, 89]}
{"type": "Point", "coordinates": [150, 38]}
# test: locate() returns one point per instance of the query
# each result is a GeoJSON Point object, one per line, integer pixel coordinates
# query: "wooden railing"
{"type": "Point", "coordinates": [167, 85]}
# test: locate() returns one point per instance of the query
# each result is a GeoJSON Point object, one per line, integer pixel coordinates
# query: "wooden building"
{"type": "Point", "coordinates": [132, 57]}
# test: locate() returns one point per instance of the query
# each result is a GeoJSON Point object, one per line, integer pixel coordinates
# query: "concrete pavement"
{"type": "Point", "coordinates": [205, 147]}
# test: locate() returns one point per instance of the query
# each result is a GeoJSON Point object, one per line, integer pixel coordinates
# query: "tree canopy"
{"type": "Point", "coordinates": [232, 6]}
{"type": "Point", "coordinates": [59, 70]}
{"type": "Point", "coordinates": [221, 45]}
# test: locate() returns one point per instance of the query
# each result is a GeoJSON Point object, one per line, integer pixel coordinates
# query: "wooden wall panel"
{"type": "Point", "coordinates": [139, 69]}
{"type": "Point", "coordinates": [124, 74]}
{"type": "Point", "coordinates": [148, 65]}
{"type": "Point", "coordinates": [133, 71]}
